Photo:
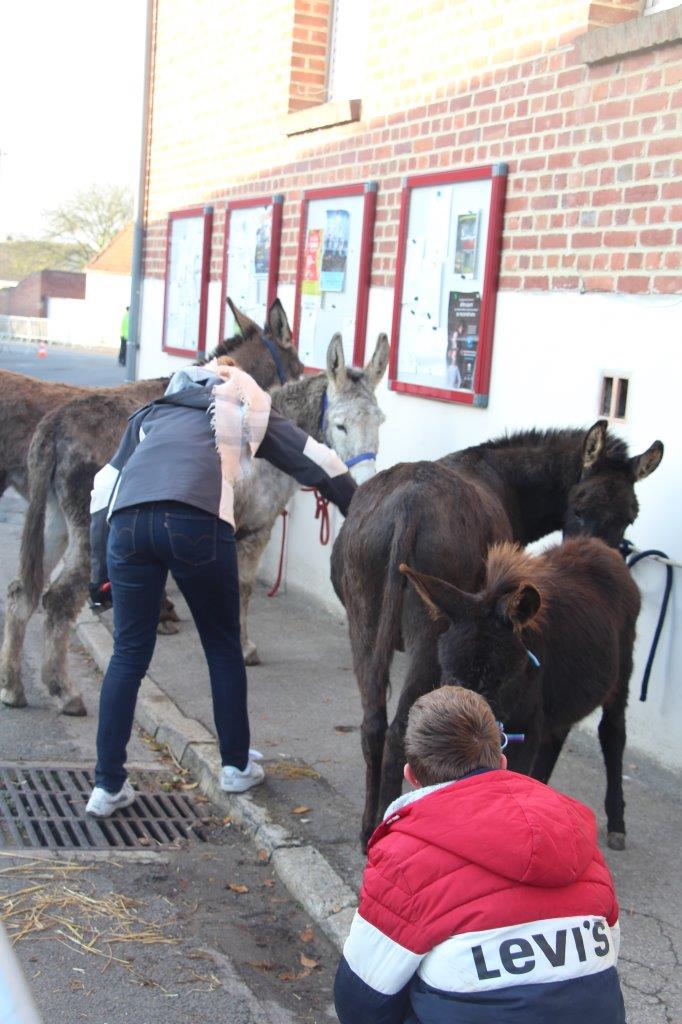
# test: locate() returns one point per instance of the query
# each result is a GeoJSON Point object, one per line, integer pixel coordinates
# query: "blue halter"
{"type": "Point", "coordinates": [324, 422]}
{"type": "Point", "coordinates": [279, 365]}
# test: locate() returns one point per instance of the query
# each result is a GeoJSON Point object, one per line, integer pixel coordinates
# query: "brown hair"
{"type": "Point", "coordinates": [225, 361]}
{"type": "Point", "coordinates": [450, 732]}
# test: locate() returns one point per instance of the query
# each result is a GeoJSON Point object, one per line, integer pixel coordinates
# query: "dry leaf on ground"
{"type": "Point", "coordinates": [307, 936]}
{"type": "Point", "coordinates": [301, 810]}
{"type": "Point", "coordinates": [306, 961]}
{"type": "Point", "coordinates": [237, 887]}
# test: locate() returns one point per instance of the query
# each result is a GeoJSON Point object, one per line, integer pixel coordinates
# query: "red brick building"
{"type": "Point", "coordinates": [581, 101]}
{"type": "Point", "coordinates": [30, 296]}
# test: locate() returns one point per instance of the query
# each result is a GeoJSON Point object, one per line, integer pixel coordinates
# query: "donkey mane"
{"type": "Point", "coordinates": [616, 449]}
{"type": "Point", "coordinates": [509, 567]}
{"type": "Point", "coordinates": [223, 348]}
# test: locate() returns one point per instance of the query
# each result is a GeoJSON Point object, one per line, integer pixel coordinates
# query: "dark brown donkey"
{"type": "Point", "coordinates": [68, 447]}
{"type": "Point", "coordinates": [440, 518]}
{"type": "Point", "coordinates": [546, 641]}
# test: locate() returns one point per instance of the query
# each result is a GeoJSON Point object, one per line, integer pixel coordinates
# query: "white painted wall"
{"type": "Point", "coordinates": [106, 298]}
{"type": "Point", "coordinates": [549, 355]}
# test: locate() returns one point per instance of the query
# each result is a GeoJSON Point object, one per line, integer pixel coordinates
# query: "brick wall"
{"type": "Point", "coordinates": [594, 152]}
{"type": "Point", "coordinates": [29, 297]}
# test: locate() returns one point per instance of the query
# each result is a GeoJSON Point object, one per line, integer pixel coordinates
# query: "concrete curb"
{"type": "Point", "coordinates": [305, 872]}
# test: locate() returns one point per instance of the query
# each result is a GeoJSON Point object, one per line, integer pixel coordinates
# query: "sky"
{"type": "Point", "coordinates": [70, 103]}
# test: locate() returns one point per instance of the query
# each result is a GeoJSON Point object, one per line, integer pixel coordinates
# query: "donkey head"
{"type": "Point", "coordinates": [481, 644]}
{"type": "Point", "coordinates": [603, 502]}
{"type": "Point", "coordinates": [353, 416]}
{"type": "Point", "coordinates": [253, 355]}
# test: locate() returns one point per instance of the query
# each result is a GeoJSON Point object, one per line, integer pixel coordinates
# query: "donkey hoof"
{"type": "Point", "coordinates": [615, 840]}
{"type": "Point", "coordinates": [167, 628]}
{"type": "Point", "coordinates": [251, 655]}
{"type": "Point", "coordinates": [75, 707]}
{"type": "Point", "coordinates": [13, 698]}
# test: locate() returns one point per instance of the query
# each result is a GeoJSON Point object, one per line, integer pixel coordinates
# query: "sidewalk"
{"type": "Point", "coordinates": [305, 714]}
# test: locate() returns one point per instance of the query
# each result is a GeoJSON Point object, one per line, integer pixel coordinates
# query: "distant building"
{"type": "Point", "coordinates": [31, 296]}
{"type": "Point", "coordinates": [107, 288]}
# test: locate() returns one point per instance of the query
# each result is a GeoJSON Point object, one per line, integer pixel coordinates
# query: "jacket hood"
{"type": "Point", "coordinates": [507, 823]}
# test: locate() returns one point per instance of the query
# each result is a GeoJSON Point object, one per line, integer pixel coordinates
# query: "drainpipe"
{"type": "Point", "coordinates": [138, 232]}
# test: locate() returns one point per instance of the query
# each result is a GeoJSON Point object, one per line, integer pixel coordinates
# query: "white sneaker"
{"type": "Point", "coordinates": [102, 803]}
{"type": "Point", "coordinates": [232, 780]}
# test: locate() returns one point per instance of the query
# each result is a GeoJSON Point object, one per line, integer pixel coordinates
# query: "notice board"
{"type": "Point", "coordinates": [446, 284]}
{"type": "Point", "coordinates": [251, 249]}
{"type": "Point", "coordinates": [333, 272]}
{"type": "Point", "coordinates": [188, 249]}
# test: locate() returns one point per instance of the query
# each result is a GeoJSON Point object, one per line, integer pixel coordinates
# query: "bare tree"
{"type": "Point", "coordinates": [90, 219]}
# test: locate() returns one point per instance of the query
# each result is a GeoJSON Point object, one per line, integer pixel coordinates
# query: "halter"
{"type": "Point", "coordinates": [324, 423]}
{"type": "Point", "coordinates": [272, 349]}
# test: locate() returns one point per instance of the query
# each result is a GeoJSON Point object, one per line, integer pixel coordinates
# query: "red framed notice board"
{"type": "Point", "coordinates": [446, 284]}
{"type": "Point", "coordinates": [333, 271]}
{"type": "Point", "coordinates": [188, 251]}
{"type": "Point", "coordinates": [251, 248]}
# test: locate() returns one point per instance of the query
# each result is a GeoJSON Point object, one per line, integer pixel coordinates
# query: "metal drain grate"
{"type": "Point", "coordinates": [44, 808]}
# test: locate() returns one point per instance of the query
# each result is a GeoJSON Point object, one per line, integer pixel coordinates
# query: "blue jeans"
{"type": "Point", "coordinates": [145, 542]}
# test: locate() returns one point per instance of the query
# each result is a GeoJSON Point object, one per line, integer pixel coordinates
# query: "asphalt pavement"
{"type": "Point", "coordinates": [305, 709]}
{"type": "Point", "coordinates": [62, 363]}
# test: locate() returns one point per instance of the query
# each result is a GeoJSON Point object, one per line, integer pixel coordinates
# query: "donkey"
{"type": "Point", "coordinates": [72, 444]}
{"type": "Point", "coordinates": [546, 641]}
{"type": "Point", "coordinates": [440, 518]}
{"type": "Point", "coordinates": [337, 407]}
{"type": "Point", "coordinates": [69, 445]}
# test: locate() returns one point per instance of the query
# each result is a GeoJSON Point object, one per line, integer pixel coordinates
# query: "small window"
{"type": "Point", "coordinates": [614, 397]}
{"type": "Point", "coordinates": [347, 49]}
{"type": "Point", "coordinates": [656, 6]}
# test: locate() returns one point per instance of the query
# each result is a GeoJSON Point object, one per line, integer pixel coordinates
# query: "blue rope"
{"type": "Point", "coordinates": [631, 560]}
{"type": "Point", "coordinates": [279, 365]}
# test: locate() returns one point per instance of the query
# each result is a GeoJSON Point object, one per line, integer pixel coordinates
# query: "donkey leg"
{"type": "Point", "coordinates": [612, 739]}
{"type": "Point", "coordinates": [250, 547]}
{"type": "Point", "coordinates": [423, 675]}
{"type": "Point", "coordinates": [22, 599]}
{"type": "Point", "coordinates": [548, 754]}
{"type": "Point", "coordinates": [62, 602]}
{"type": "Point", "coordinates": [168, 618]}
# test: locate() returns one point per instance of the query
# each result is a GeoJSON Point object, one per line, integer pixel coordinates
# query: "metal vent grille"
{"type": "Point", "coordinates": [44, 808]}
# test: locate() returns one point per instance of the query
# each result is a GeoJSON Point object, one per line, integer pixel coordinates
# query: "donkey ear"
{"type": "Point", "coordinates": [278, 325]}
{"type": "Point", "coordinates": [593, 444]}
{"type": "Point", "coordinates": [376, 367]}
{"type": "Point", "coordinates": [519, 607]}
{"type": "Point", "coordinates": [644, 464]}
{"type": "Point", "coordinates": [444, 602]}
{"type": "Point", "coordinates": [245, 324]}
{"type": "Point", "coordinates": [336, 362]}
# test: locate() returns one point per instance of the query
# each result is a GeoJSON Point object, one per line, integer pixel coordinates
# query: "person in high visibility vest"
{"type": "Point", "coordinates": [124, 337]}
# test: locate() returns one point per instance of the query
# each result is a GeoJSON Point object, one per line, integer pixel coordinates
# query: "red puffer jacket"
{"type": "Point", "coordinates": [483, 899]}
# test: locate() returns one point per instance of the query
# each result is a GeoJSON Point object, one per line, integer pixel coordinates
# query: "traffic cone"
{"type": "Point", "coordinates": [42, 350]}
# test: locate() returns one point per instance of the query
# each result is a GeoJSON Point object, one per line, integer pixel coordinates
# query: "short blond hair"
{"type": "Point", "coordinates": [450, 732]}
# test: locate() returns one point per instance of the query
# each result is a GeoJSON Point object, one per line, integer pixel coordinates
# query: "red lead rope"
{"type": "Point", "coordinates": [321, 513]}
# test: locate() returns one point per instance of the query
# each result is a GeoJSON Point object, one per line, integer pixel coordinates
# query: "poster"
{"type": "Point", "coordinates": [312, 259]}
{"type": "Point", "coordinates": [183, 300]}
{"type": "Point", "coordinates": [261, 257]}
{"type": "Point", "coordinates": [466, 244]}
{"type": "Point", "coordinates": [464, 316]}
{"type": "Point", "coordinates": [335, 252]}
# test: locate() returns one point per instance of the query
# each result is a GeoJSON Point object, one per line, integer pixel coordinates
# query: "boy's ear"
{"type": "Point", "coordinates": [411, 778]}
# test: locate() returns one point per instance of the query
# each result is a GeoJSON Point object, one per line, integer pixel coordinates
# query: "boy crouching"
{"type": "Point", "coordinates": [485, 897]}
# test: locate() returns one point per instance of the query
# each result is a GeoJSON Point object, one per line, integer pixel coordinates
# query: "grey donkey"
{"type": "Point", "coordinates": [69, 445]}
{"type": "Point", "coordinates": [337, 407]}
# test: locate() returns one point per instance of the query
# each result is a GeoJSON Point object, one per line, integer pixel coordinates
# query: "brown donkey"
{"type": "Point", "coordinates": [440, 518]}
{"type": "Point", "coordinates": [69, 445]}
{"type": "Point", "coordinates": [546, 641]}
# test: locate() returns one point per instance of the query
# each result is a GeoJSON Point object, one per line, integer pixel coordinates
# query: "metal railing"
{"type": "Point", "coordinates": [25, 328]}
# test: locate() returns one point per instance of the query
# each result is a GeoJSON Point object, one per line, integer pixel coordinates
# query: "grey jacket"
{"type": "Point", "coordinates": [168, 453]}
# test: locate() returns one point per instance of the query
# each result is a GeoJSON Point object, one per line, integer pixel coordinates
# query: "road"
{"type": "Point", "coordinates": [219, 954]}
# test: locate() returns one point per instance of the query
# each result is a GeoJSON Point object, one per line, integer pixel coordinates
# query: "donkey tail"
{"type": "Point", "coordinates": [41, 464]}
{"type": "Point", "coordinates": [390, 615]}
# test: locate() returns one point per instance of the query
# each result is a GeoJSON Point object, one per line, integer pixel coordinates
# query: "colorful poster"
{"type": "Point", "coordinates": [312, 259]}
{"type": "Point", "coordinates": [466, 244]}
{"type": "Point", "coordinates": [262, 250]}
{"type": "Point", "coordinates": [335, 253]}
{"type": "Point", "coordinates": [464, 316]}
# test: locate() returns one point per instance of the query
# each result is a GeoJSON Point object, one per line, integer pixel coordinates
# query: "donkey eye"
{"type": "Point", "coordinates": [340, 426]}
